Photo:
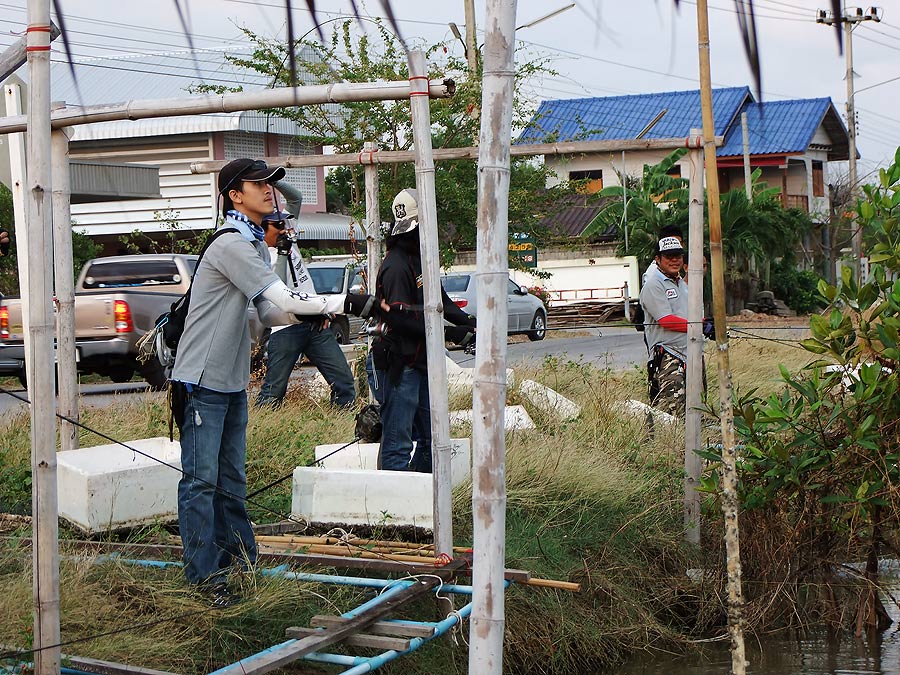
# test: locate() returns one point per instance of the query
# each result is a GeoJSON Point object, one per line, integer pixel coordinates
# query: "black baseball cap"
{"type": "Point", "coordinates": [243, 169]}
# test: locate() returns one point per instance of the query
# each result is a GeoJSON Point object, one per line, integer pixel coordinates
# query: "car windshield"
{"type": "Point", "coordinates": [119, 274]}
{"type": "Point", "coordinates": [455, 284]}
{"type": "Point", "coordinates": [328, 279]}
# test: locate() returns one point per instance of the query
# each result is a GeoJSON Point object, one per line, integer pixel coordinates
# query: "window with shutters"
{"type": "Point", "coordinates": [818, 179]}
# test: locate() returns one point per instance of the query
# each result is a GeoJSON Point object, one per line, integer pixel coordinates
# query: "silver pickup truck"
{"type": "Point", "coordinates": [117, 300]}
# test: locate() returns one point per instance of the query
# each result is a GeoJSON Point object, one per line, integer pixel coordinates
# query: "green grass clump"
{"type": "Point", "coordinates": [596, 500]}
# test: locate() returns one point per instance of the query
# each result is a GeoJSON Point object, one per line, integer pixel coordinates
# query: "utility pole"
{"type": "Point", "coordinates": [471, 41]}
{"type": "Point", "coordinates": [849, 19]}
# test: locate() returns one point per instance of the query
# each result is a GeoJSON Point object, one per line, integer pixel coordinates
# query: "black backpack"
{"type": "Point", "coordinates": [172, 322]}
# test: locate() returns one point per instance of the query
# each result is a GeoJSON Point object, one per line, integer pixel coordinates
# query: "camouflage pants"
{"type": "Point", "coordinates": [666, 379]}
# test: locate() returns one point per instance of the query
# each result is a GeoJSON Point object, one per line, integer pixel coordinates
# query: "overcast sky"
{"type": "Point", "coordinates": [599, 47]}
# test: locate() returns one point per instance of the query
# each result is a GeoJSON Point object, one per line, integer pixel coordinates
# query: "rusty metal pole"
{"type": "Point", "coordinates": [434, 308]}
{"type": "Point", "coordinates": [726, 414]}
{"type": "Point", "coordinates": [39, 344]}
{"type": "Point", "coordinates": [489, 392]}
{"type": "Point", "coordinates": [694, 379]}
{"type": "Point", "coordinates": [65, 290]}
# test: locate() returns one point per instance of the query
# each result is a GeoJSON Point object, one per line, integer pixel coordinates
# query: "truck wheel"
{"type": "Point", "coordinates": [341, 329]}
{"type": "Point", "coordinates": [154, 373]}
{"type": "Point", "coordinates": [120, 374]}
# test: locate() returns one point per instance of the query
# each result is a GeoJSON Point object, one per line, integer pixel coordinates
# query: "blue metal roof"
{"type": "Point", "coordinates": [777, 127]}
{"type": "Point", "coordinates": [624, 117]}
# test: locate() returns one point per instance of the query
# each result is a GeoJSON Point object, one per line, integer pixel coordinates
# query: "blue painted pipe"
{"type": "Point", "coordinates": [378, 599]}
{"type": "Point", "coordinates": [441, 628]}
{"type": "Point", "coordinates": [366, 582]}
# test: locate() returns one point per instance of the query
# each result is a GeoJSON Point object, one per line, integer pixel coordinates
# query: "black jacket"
{"type": "Point", "coordinates": [399, 284]}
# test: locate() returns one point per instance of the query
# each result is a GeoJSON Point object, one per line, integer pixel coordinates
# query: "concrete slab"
{"type": "Point", "coordinates": [546, 399]}
{"type": "Point", "coordinates": [109, 487]}
{"type": "Point", "coordinates": [463, 378]}
{"type": "Point", "coordinates": [362, 497]}
{"type": "Point", "coordinates": [364, 456]}
{"type": "Point", "coordinates": [641, 410]}
{"type": "Point", "coordinates": [516, 418]}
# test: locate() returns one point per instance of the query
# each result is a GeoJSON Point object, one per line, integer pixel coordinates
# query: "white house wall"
{"type": "Point", "coordinates": [610, 164]}
{"type": "Point", "coordinates": [188, 196]}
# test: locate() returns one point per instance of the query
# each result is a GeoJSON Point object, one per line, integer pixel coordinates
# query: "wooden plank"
{"type": "Point", "coordinates": [381, 642]}
{"type": "Point", "coordinates": [401, 628]}
{"type": "Point", "coordinates": [92, 665]}
{"type": "Point", "coordinates": [283, 654]}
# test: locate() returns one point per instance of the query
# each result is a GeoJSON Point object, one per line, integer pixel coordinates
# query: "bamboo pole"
{"type": "Point", "coordinates": [65, 289]}
{"type": "Point", "coordinates": [341, 92]}
{"type": "Point", "coordinates": [745, 139]}
{"type": "Point", "coordinates": [726, 414]}
{"type": "Point", "coordinates": [694, 384]}
{"type": "Point", "coordinates": [39, 342]}
{"type": "Point", "coordinates": [434, 310]}
{"type": "Point", "coordinates": [489, 391]}
{"type": "Point", "coordinates": [18, 180]}
{"type": "Point", "coordinates": [366, 158]}
{"type": "Point", "coordinates": [374, 238]}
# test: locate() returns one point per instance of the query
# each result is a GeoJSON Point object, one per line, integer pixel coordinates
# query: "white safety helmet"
{"type": "Point", "coordinates": [406, 211]}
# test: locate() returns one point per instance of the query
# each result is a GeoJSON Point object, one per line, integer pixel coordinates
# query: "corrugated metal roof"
{"type": "Point", "coordinates": [624, 117]}
{"type": "Point", "coordinates": [777, 127]}
{"type": "Point", "coordinates": [166, 75]}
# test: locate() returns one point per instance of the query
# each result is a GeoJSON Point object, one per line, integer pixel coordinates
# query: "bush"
{"type": "Point", "coordinates": [798, 288]}
{"type": "Point", "coordinates": [543, 294]}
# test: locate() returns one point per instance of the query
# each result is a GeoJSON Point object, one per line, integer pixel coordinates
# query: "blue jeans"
{"type": "Point", "coordinates": [406, 416]}
{"type": "Point", "coordinates": [215, 530]}
{"type": "Point", "coordinates": [376, 379]}
{"type": "Point", "coordinates": [321, 348]}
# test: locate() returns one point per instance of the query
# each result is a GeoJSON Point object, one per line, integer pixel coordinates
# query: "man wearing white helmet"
{"type": "Point", "coordinates": [406, 411]}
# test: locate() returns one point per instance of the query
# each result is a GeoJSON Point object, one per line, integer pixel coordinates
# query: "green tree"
{"type": "Point", "coordinates": [377, 55]}
{"type": "Point", "coordinates": [822, 455]}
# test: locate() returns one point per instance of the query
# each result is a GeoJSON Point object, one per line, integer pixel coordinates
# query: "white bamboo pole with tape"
{"type": "Point", "coordinates": [64, 285]}
{"type": "Point", "coordinates": [726, 414]}
{"type": "Point", "coordinates": [694, 383]}
{"type": "Point", "coordinates": [489, 392]}
{"type": "Point", "coordinates": [434, 309]}
{"type": "Point", "coordinates": [39, 342]}
{"type": "Point", "coordinates": [374, 238]}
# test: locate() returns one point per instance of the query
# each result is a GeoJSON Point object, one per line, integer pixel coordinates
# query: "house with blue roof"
{"type": "Point", "coordinates": [791, 141]}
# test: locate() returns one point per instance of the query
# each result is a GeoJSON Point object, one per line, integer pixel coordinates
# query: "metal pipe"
{"type": "Point", "coordinates": [39, 343]}
{"type": "Point", "coordinates": [434, 309]}
{"type": "Point", "coordinates": [486, 630]}
{"type": "Point", "coordinates": [341, 92]}
{"type": "Point", "coordinates": [64, 285]}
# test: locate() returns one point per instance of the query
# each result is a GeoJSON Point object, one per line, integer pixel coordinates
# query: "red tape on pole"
{"type": "Point", "coordinates": [418, 92]}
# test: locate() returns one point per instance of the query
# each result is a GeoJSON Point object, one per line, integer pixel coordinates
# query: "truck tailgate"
{"type": "Point", "coordinates": [94, 318]}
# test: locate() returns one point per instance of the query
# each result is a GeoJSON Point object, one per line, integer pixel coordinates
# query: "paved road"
{"type": "Point", "coordinates": [615, 348]}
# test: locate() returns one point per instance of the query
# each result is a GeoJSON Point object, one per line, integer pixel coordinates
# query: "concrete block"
{"type": "Point", "coordinates": [641, 410]}
{"type": "Point", "coordinates": [516, 418]}
{"type": "Point", "coordinates": [463, 378]}
{"type": "Point", "coordinates": [108, 487]}
{"type": "Point", "coordinates": [364, 456]}
{"type": "Point", "coordinates": [546, 399]}
{"type": "Point", "coordinates": [362, 497]}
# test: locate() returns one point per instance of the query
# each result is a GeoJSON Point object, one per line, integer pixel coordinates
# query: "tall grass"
{"type": "Point", "coordinates": [596, 500]}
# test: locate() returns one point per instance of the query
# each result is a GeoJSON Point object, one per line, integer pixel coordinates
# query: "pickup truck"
{"type": "Point", "coordinates": [117, 300]}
